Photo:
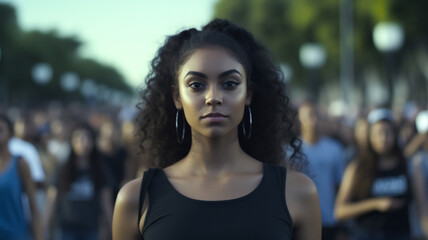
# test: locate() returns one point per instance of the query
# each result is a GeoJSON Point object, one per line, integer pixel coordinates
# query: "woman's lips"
{"type": "Point", "coordinates": [214, 117]}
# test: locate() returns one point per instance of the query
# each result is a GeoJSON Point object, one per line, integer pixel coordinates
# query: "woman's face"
{"type": "Point", "coordinates": [361, 132]}
{"type": "Point", "coordinates": [212, 91]}
{"type": "Point", "coordinates": [82, 142]}
{"type": "Point", "coordinates": [4, 132]}
{"type": "Point", "coordinates": [382, 137]}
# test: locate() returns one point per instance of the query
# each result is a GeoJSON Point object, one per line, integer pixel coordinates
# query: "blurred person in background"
{"type": "Point", "coordinates": [133, 167]}
{"type": "Point", "coordinates": [375, 188]}
{"type": "Point", "coordinates": [57, 148]}
{"type": "Point", "coordinates": [419, 214]}
{"type": "Point", "coordinates": [21, 145]}
{"type": "Point", "coordinates": [326, 159]}
{"type": "Point", "coordinates": [58, 144]}
{"type": "Point", "coordinates": [81, 195]}
{"type": "Point", "coordinates": [417, 153]}
{"type": "Point", "coordinates": [15, 178]}
{"type": "Point", "coordinates": [361, 138]}
{"type": "Point", "coordinates": [115, 155]}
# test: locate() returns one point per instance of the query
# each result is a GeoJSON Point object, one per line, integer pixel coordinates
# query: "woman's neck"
{"type": "Point", "coordinates": [215, 156]}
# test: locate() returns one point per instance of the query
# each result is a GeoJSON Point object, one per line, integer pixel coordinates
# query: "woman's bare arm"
{"type": "Point", "coordinates": [420, 194]}
{"type": "Point", "coordinates": [30, 189]}
{"type": "Point", "coordinates": [125, 216]}
{"type": "Point", "coordinates": [51, 205]}
{"type": "Point", "coordinates": [303, 205]}
{"type": "Point", "coordinates": [414, 144]}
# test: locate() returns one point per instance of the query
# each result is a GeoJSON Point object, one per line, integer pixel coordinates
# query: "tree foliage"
{"type": "Point", "coordinates": [284, 25]}
{"type": "Point", "coordinates": [21, 50]}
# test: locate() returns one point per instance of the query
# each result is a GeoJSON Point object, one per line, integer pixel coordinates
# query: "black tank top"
{"type": "Point", "coordinates": [261, 214]}
{"type": "Point", "coordinates": [395, 184]}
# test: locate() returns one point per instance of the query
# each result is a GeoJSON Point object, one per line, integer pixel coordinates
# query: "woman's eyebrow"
{"type": "Point", "coordinates": [228, 72]}
{"type": "Point", "coordinates": [221, 75]}
{"type": "Point", "coordinates": [197, 74]}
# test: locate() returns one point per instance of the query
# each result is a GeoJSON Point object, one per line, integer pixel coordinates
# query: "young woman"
{"type": "Point", "coordinates": [15, 178]}
{"type": "Point", "coordinates": [81, 195]}
{"type": "Point", "coordinates": [375, 188]}
{"type": "Point", "coordinates": [214, 121]}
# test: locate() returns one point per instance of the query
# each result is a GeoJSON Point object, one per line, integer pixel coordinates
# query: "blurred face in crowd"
{"type": "Point", "coordinates": [361, 132]}
{"type": "Point", "coordinates": [128, 131]}
{"type": "Point", "coordinates": [58, 129]}
{"type": "Point", "coordinates": [382, 137]}
{"type": "Point", "coordinates": [308, 116]}
{"type": "Point", "coordinates": [20, 128]}
{"type": "Point", "coordinates": [107, 130]}
{"type": "Point", "coordinates": [82, 142]}
{"type": "Point", "coordinates": [4, 132]}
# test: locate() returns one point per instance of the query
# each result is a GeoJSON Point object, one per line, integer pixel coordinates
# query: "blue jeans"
{"type": "Point", "coordinates": [68, 234]}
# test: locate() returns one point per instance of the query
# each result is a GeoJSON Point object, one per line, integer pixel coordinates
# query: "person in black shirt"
{"type": "Point", "coordinates": [213, 122]}
{"type": "Point", "coordinates": [375, 188]}
{"type": "Point", "coordinates": [81, 198]}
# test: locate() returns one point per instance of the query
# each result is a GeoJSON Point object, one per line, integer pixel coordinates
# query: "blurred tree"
{"type": "Point", "coordinates": [284, 25]}
{"type": "Point", "coordinates": [22, 50]}
{"type": "Point", "coordinates": [8, 31]}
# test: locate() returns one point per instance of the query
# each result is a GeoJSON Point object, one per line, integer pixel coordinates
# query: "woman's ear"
{"type": "Point", "coordinates": [176, 97]}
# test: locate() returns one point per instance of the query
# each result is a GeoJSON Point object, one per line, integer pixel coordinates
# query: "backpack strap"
{"type": "Point", "coordinates": [145, 183]}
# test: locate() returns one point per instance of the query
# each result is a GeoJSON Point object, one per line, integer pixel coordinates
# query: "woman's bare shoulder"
{"type": "Point", "coordinates": [129, 193]}
{"type": "Point", "coordinates": [299, 183]}
{"type": "Point", "coordinates": [302, 199]}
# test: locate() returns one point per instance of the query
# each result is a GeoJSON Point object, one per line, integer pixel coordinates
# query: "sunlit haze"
{"type": "Point", "coordinates": [124, 34]}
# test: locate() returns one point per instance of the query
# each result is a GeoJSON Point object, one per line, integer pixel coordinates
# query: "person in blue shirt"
{"type": "Point", "coordinates": [326, 159]}
{"type": "Point", "coordinates": [15, 179]}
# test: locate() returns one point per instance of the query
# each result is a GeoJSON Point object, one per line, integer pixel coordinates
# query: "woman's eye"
{"type": "Point", "coordinates": [230, 84]}
{"type": "Point", "coordinates": [196, 85]}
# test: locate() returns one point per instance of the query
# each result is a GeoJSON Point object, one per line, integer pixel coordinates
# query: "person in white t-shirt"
{"type": "Point", "coordinates": [19, 147]}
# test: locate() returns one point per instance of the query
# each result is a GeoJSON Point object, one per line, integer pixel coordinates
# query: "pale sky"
{"type": "Point", "coordinates": [122, 33]}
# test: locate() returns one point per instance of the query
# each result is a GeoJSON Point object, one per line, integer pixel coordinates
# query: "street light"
{"type": "Point", "coordinates": [42, 73]}
{"type": "Point", "coordinates": [388, 38]}
{"type": "Point", "coordinates": [313, 56]}
{"type": "Point", "coordinates": [69, 81]}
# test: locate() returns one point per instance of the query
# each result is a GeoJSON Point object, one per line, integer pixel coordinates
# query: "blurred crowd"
{"type": "Point", "coordinates": [78, 156]}
{"type": "Point", "coordinates": [370, 167]}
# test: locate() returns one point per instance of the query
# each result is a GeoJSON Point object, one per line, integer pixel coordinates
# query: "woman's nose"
{"type": "Point", "coordinates": [213, 97]}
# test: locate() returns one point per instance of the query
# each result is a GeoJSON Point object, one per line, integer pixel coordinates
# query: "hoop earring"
{"type": "Point", "coordinates": [247, 134]}
{"type": "Point", "coordinates": [180, 139]}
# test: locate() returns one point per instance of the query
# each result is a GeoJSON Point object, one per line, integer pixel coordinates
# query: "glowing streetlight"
{"type": "Point", "coordinates": [69, 81]}
{"type": "Point", "coordinates": [42, 73]}
{"type": "Point", "coordinates": [388, 37]}
{"type": "Point", "coordinates": [313, 56]}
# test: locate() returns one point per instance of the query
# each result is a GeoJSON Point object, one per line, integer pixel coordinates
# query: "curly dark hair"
{"type": "Point", "coordinates": [274, 120]}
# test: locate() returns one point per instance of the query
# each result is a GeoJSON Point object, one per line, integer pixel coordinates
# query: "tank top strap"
{"type": "Point", "coordinates": [279, 173]}
{"type": "Point", "coordinates": [145, 183]}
